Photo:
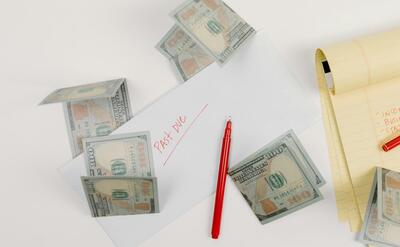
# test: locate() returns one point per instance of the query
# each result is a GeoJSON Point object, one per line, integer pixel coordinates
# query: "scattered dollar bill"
{"type": "Point", "coordinates": [187, 57]}
{"type": "Point", "coordinates": [119, 155]}
{"type": "Point", "coordinates": [388, 195]}
{"type": "Point", "coordinates": [214, 26]}
{"type": "Point", "coordinates": [376, 231]}
{"type": "Point", "coordinates": [93, 109]}
{"type": "Point", "coordinates": [293, 142]}
{"type": "Point", "coordinates": [121, 195]}
{"type": "Point", "coordinates": [275, 182]}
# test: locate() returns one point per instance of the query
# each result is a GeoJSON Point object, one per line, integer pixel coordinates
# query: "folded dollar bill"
{"type": "Point", "coordinates": [124, 155]}
{"type": "Point", "coordinates": [94, 109]}
{"type": "Point", "coordinates": [278, 179]}
{"type": "Point", "coordinates": [214, 26]}
{"type": "Point", "coordinates": [187, 57]}
{"type": "Point", "coordinates": [379, 229]}
{"type": "Point", "coordinates": [121, 195]}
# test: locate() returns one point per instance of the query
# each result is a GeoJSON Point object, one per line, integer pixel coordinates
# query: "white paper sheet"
{"type": "Point", "coordinates": [186, 126]}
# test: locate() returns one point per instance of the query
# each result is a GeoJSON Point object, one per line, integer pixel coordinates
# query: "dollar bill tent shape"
{"type": "Point", "coordinates": [94, 109]}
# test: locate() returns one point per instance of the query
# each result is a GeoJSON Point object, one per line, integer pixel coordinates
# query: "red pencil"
{"type": "Point", "coordinates": [223, 169]}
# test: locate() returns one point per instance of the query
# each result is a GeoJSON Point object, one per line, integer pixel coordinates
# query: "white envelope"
{"type": "Point", "coordinates": [186, 126]}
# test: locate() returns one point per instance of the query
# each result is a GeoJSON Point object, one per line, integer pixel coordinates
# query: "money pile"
{"type": "Point", "coordinates": [94, 109]}
{"type": "Point", "coordinates": [205, 31]}
{"type": "Point", "coordinates": [381, 225]}
{"type": "Point", "coordinates": [121, 179]}
{"type": "Point", "coordinates": [278, 179]}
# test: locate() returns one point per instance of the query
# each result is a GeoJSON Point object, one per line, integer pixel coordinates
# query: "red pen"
{"type": "Point", "coordinates": [391, 144]}
{"type": "Point", "coordinates": [223, 170]}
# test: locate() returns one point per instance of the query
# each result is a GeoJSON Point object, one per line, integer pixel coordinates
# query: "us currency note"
{"type": "Point", "coordinates": [274, 183]}
{"type": "Point", "coordinates": [94, 109]}
{"type": "Point", "coordinates": [96, 117]}
{"type": "Point", "coordinates": [214, 26]}
{"type": "Point", "coordinates": [121, 195]}
{"type": "Point", "coordinates": [388, 195]}
{"type": "Point", "coordinates": [119, 155]}
{"type": "Point", "coordinates": [376, 231]}
{"type": "Point", "coordinates": [82, 92]}
{"type": "Point", "coordinates": [187, 57]}
{"type": "Point", "coordinates": [292, 141]}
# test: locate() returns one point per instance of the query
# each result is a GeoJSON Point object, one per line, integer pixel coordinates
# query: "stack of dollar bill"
{"type": "Point", "coordinates": [382, 218]}
{"type": "Point", "coordinates": [278, 179]}
{"type": "Point", "coordinates": [121, 179]}
{"type": "Point", "coordinates": [94, 109]}
{"type": "Point", "coordinates": [205, 31]}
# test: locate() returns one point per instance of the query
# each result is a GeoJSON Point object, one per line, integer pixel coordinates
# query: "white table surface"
{"type": "Point", "coordinates": [47, 44]}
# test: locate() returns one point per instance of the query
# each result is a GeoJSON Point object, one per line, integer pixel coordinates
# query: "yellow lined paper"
{"type": "Point", "coordinates": [360, 113]}
{"type": "Point", "coordinates": [345, 200]}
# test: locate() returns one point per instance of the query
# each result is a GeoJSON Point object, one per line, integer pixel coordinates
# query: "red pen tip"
{"type": "Point", "coordinates": [385, 148]}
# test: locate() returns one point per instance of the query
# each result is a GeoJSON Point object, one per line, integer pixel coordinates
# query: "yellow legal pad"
{"type": "Point", "coordinates": [360, 99]}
